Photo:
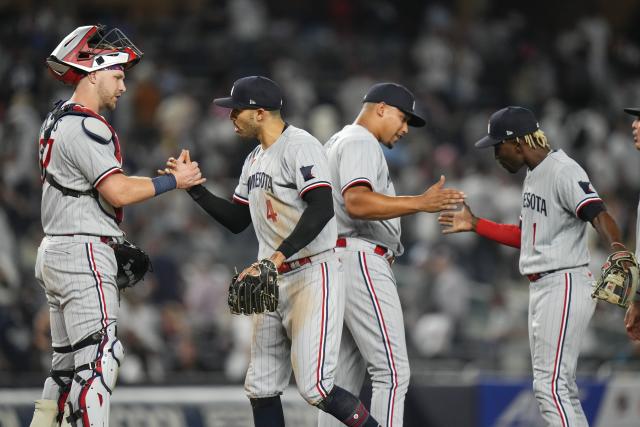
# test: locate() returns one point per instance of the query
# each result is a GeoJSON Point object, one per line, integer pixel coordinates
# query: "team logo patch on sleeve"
{"type": "Point", "coordinates": [586, 187]}
{"type": "Point", "coordinates": [306, 172]}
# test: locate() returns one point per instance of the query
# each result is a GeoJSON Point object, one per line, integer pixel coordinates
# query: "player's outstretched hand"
{"type": "Point", "coordinates": [456, 221]}
{"type": "Point", "coordinates": [437, 198]}
{"type": "Point", "coordinates": [632, 321]}
{"type": "Point", "coordinates": [187, 173]}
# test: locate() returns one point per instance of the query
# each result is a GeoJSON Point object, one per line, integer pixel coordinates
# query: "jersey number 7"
{"type": "Point", "coordinates": [45, 156]}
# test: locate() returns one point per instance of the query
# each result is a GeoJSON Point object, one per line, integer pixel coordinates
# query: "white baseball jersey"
{"type": "Point", "coordinates": [356, 158]}
{"type": "Point", "coordinates": [78, 161]}
{"type": "Point", "coordinates": [553, 235]}
{"type": "Point", "coordinates": [273, 182]}
{"type": "Point", "coordinates": [374, 337]}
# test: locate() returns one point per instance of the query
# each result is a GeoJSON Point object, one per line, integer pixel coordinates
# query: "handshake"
{"type": "Point", "coordinates": [186, 172]}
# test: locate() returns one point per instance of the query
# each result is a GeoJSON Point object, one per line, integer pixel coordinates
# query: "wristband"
{"type": "Point", "coordinates": [164, 183]}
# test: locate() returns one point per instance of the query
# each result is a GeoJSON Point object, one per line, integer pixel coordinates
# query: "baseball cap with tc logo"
{"type": "Point", "coordinates": [251, 93]}
{"type": "Point", "coordinates": [397, 96]}
{"type": "Point", "coordinates": [508, 123]}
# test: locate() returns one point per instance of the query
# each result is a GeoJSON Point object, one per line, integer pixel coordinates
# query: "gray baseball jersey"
{"type": "Point", "coordinates": [374, 337]}
{"type": "Point", "coordinates": [80, 162]}
{"type": "Point", "coordinates": [560, 305]}
{"type": "Point", "coordinates": [553, 235]}
{"type": "Point", "coordinates": [74, 266]}
{"type": "Point", "coordinates": [304, 333]}
{"type": "Point", "coordinates": [356, 158]}
{"type": "Point", "coordinates": [560, 308]}
{"type": "Point", "coordinates": [273, 182]}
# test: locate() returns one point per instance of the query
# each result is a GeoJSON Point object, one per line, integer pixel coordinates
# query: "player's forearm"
{"type": "Point", "coordinates": [375, 206]}
{"type": "Point", "coordinates": [506, 234]}
{"type": "Point", "coordinates": [233, 216]}
{"type": "Point", "coordinates": [608, 230]}
{"type": "Point", "coordinates": [120, 190]}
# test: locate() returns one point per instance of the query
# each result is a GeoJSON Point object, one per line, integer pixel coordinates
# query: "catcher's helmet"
{"type": "Point", "coordinates": [91, 48]}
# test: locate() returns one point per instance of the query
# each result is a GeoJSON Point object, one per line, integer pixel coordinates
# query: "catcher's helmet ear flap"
{"type": "Point", "coordinates": [91, 48]}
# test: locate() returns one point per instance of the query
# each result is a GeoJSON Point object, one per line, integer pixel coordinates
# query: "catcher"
{"type": "Point", "coordinates": [83, 260]}
{"type": "Point", "coordinates": [557, 202]}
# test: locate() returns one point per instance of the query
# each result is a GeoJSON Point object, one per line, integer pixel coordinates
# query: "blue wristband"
{"type": "Point", "coordinates": [164, 183]}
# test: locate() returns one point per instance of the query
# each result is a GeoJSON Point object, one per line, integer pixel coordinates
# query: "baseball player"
{"type": "Point", "coordinates": [368, 213]}
{"type": "Point", "coordinates": [632, 317]}
{"type": "Point", "coordinates": [285, 191]}
{"type": "Point", "coordinates": [84, 190]}
{"type": "Point", "coordinates": [557, 202]}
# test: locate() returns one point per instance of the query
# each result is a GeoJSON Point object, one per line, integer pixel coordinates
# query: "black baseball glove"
{"type": "Point", "coordinates": [618, 280]}
{"type": "Point", "coordinates": [133, 264]}
{"type": "Point", "coordinates": [255, 293]}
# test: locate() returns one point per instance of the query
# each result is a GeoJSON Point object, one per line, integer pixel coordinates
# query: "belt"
{"type": "Point", "coordinates": [293, 265]}
{"type": "Point", "coordinates": [537, 276]}
{"type": "Point", "coordinates": [378, 249]}
{"type": "Point", "coordinates": [90, 237]}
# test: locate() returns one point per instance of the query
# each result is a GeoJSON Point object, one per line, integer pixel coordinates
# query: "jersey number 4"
{"type": "Point", "coordinates": [45, 156]}
{"type": "Point", "coordinates": [271, 214]}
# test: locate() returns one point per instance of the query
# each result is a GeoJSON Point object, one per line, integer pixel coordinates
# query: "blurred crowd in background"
{"type": "Point", "coordinates": [575, 63]}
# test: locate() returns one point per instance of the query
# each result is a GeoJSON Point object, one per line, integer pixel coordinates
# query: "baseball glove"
{"type": "Point", "coordinates": [133, 264]}
{"type": "Point", "coordinates": [255, 293]}
{"type": "Point", "coordinates": [618, 281]}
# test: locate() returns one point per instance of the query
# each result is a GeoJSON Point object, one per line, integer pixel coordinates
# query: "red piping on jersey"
{"type": "Point", "coordinates": [385, 337]}
{"type": "Point", "coordinates": [558, 359]}
{"type": "Point", "coordinates": [102, 178]}
{"type": "Point", "coordinates": [313, 186]}
{"type": "Point", "coordinates": [585, 203]}
{"type": "Point", "coordinates": [507, 234]}
{"type": "Point", "coordinates": [356, 182]}
{"type": "Point", "coordinates": [323, 332]}
{"type": "Point", "coordinates": [240, 200]}
{"type": "Point", "coordinates": [98, 279]}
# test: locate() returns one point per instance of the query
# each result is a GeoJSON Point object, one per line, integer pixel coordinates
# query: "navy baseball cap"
{"type": "Point", "coordinates": [397, 96]}
{"type": "Point", "coordinates": [508, 123]}
{"type": "Point", "coordinates": [253, 92]}
{"type": "Point", "coordinates": [633, 111]}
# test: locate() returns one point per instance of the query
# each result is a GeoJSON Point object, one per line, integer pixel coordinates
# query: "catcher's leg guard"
{"type": "Point", "coordinates": [94, 382]}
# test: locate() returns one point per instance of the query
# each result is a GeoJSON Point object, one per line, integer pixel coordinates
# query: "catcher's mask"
{"type": "Point", "coordinates": [91, 48]}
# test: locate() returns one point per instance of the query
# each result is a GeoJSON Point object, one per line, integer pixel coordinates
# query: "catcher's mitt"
{"type": "Point", "coordinates": [255, 293]}
{"type": "Point", "coordinates": [133, 264]}
{"type": "Point", "coordinates": [618, 281]}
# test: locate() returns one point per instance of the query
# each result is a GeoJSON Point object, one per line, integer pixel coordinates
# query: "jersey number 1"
{"type": "Point", "coordinates": [271, 214]}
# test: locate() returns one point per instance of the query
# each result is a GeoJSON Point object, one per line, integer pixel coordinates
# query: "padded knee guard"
{"type": "Point", "coordinates": [92, 406]}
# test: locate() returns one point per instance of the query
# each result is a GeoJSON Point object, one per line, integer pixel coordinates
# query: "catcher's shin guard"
{"type": "Point", "coordinates": [95, 381]}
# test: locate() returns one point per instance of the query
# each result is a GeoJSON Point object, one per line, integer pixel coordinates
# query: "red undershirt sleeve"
{"type": "Point", "coordinates": [507, 234]}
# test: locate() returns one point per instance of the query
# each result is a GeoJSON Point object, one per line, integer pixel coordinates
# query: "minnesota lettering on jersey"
{"type": "Point", "coordinates": [260, 180]}
{"type": "Point", "coordinates": [533, 202]}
